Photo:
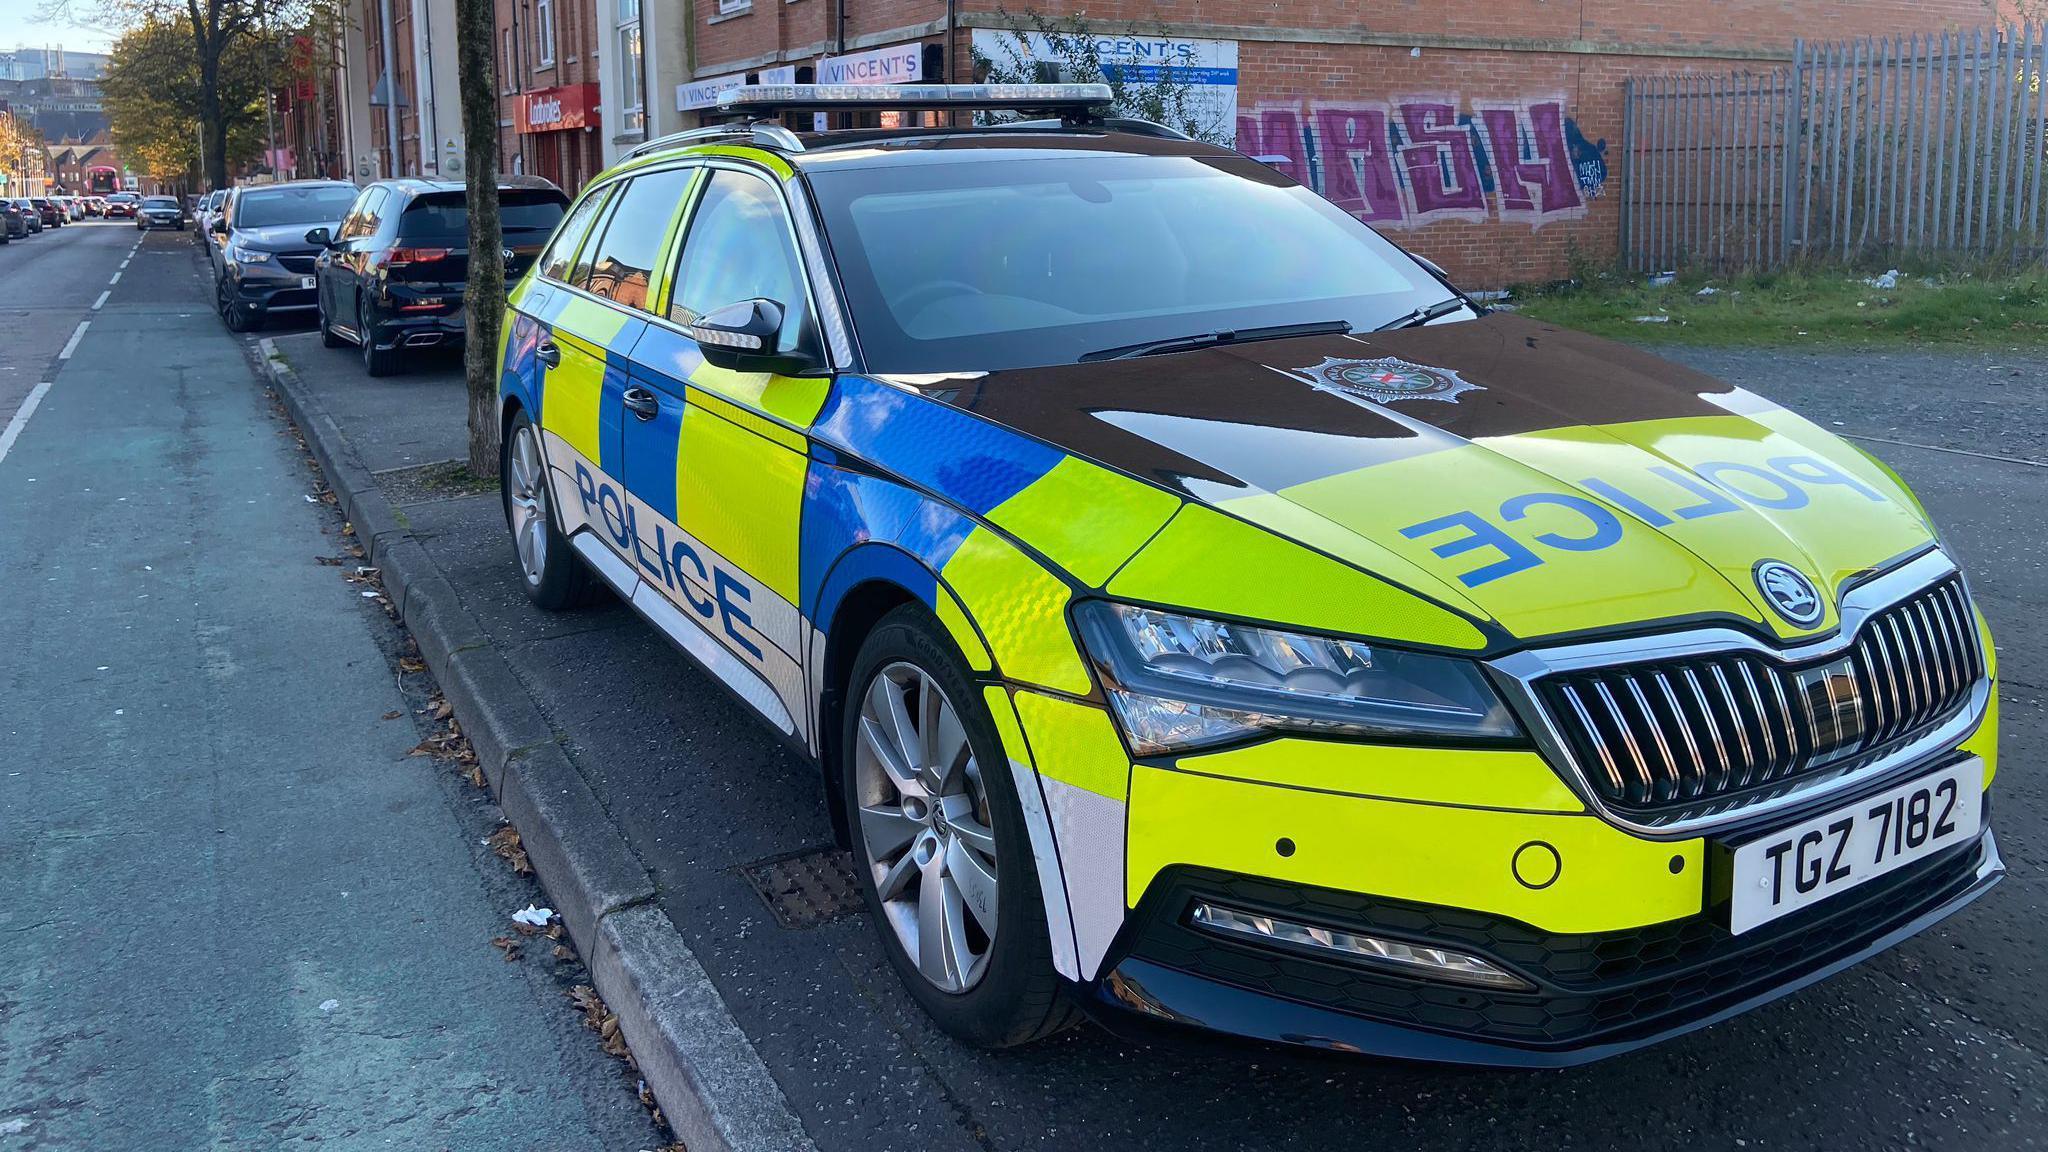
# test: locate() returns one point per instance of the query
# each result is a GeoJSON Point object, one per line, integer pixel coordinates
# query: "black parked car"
{"type": "Point", "coordinates": [391, 278]}
{"type": "Point", "coordinates": [159, 212]}
{"type": "Point", "coordinates": [13, 221]}
{"type": "Point", "coordinates": [266, 263]}
{"type": "Point", "coordinates": [31, 216]}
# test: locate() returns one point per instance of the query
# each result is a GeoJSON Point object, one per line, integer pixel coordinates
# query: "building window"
{"type": "Point", "coordinates": [508, 77]}
{"type": "Point", "coordinates": [632, 102]}
{"type": "Point", "coordinates": [728, 7]}
{"type": "Point", "coordinates": [544, 32]}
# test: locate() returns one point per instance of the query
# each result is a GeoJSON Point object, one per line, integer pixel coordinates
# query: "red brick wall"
{"type": "Point", "coordinates": [1539, 80]}
{"type": "Point", "coordinates": [569, 158]}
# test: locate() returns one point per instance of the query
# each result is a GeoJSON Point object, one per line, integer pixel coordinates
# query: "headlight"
{"type": "Point", "coordinates": [247, 256]}
{"type": "Point", "coordinates": [1180, 682]}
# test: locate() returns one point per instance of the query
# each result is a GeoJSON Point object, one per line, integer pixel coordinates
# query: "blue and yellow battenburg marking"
{"type": "Point", "coordinates": [755, 506]}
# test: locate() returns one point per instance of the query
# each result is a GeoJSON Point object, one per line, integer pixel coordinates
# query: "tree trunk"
{"type": "Point", "coordinates": [484, 300]}
{"type": "Point", "coordinates": [213, 126]}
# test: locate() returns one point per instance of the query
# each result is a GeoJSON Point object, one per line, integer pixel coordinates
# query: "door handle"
{"type": "Point", "coordinates": [640, 402]}
{"type": "Point", "coordinates": [549, 354]}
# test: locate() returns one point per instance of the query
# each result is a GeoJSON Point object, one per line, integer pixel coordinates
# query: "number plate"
{"type": "Point", "coordinates": [305, 281]}
{"type": "Point", "coordinates": [1778, 874]}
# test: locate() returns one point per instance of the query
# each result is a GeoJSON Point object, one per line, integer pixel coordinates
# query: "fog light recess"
{"type": "Point", "coordinates": [1371, 951]}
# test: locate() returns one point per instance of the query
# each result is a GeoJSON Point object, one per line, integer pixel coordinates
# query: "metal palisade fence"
{"type": "Point", "coordinates": [1876, 147]}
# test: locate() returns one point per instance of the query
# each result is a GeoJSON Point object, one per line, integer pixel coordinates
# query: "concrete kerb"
{"type": "Point", "coordinates": [710, 1082]}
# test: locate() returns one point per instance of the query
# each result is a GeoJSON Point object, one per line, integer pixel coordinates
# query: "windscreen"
{"type": "Point", "coordinates": [317, 204]}
{"type": "Point", "coordinates": [159, 202]}
{"type": "Point", "coordinates": [525, 216]}
{"type": "Point", "coordinates": [990, 264]}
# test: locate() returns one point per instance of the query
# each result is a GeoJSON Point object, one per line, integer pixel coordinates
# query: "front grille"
{"type": "Point", "coordinates": [303, 265]}
{"type": "Point", "coordinates": [1710, 733]}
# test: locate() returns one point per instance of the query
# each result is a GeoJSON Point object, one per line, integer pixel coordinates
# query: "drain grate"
{"type": "Point", "coordinates": [808, 888]}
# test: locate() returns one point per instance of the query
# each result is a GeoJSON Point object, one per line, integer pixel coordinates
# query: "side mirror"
{"type": "Point", "coordinates": [320, 238]}
{"type": "Point", "coordinates": [742, 337]}
{"type": "Point", "coordinates": [220, 225]}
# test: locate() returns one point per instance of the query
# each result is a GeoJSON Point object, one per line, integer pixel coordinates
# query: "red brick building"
{"type": "Point", "coordinates": [1479, 134]}
{"type": "Point", "coordinates": [550, 121]}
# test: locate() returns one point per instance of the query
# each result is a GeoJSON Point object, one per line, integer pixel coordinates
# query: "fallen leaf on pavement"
{"type": "Point", "coordinates": [563, 952]}
{"type": "Point", "coordinates": [599, 1019]}
{"type": "Point", "coordinates": [505, 842]}
{"type": "Point", "coordinates": [508, 946]}
{"type": "Point", "coordinates": [393, 714]}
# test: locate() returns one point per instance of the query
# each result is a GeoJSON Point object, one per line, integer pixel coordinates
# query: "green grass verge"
{"type": "Point", "coordinates": [1804, 308]}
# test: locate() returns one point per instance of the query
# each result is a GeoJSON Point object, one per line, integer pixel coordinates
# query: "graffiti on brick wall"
{"type": "Point", "coordinates": [1410, 162]}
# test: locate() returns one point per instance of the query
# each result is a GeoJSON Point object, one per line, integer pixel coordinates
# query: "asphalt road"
{"type": "Point", "coordinates": [233, 912]}
{"type": "Point", "coordinates": [48, 283]}
{"type": "Point", "coordinates": [1939, 1043]}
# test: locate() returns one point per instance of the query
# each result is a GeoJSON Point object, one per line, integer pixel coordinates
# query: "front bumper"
{"type": "Point", "coordinates": [1596, 994]}
{"type": "Point", "coordinates": [267, 288]}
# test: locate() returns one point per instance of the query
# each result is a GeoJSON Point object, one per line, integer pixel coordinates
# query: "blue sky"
{"type": "Point", "coordinates": [20, 27]}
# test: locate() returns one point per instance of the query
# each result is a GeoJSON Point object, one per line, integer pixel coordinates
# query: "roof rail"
{"type": "Point", "coordinates": [1129, 125]}
{"type": "Point", "coordinates": [1079, 101]}
{"type": "Point", "coordinates": [763, 133]}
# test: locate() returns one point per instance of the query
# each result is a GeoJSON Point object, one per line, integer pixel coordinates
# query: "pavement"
{"type": "Point", "coordinates": [1940, 1042]}
{"type": "Point", "coordinates": [236, 913]}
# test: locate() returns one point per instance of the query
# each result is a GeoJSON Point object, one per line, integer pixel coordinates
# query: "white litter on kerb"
{"type": "Point", "coordinates": [327, 1006]}
{"type": "Point", "coordinates": [535, 917]}
{"type": "Point", "coordinates": [370, 595]}
{"type": "Point", "coordinates": [311, 500]}
{"type": "Point", "coordinates": [14, 1127]}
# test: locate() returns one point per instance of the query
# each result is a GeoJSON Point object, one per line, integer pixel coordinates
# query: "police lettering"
{"type": "Point", "coordinates": [1667, 495]}
{"type": "Point", "coordinates": [675, 563]}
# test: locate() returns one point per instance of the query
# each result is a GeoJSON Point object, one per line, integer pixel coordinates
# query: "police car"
{"type": "Point", "coordinates": [1198, 610]}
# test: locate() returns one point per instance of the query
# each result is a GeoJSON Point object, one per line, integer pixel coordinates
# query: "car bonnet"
{"type": "Point", "coordinates": [1538, 480]}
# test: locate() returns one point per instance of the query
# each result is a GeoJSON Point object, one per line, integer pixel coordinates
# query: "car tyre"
{"type": "Point", "coordinates": [376, 361]}
{"type": "Point", "coordinates": [329, 338]}
{"type": "Point", "coordinates": [1007, 993]}
{"type": "Point", "coordinates": [240, 318]}
{"type": "Point", "coordinates": [554, 575]}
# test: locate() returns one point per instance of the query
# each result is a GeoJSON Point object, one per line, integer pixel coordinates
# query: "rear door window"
{"type": "Point", "coordinates": [622, 267]}
{"type": "Point", "coordinates": [562, 250]}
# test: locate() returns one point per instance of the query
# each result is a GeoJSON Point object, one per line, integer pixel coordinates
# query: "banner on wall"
{"type": "Point", "coordinates": [1207, 67]}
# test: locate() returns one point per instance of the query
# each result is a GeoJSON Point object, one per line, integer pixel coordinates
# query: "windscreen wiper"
{"type": "Point", "coordinates": [1425, 315]}
{"type": "Point", "coordinates": [1224, 336]}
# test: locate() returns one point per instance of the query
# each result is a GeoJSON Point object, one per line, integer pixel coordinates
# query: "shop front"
{"type": "Point", "coordinates": [561, 129]}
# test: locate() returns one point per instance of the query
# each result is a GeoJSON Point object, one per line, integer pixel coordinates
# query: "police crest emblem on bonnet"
{"type": "Point", "coordinates": [1386, 379]}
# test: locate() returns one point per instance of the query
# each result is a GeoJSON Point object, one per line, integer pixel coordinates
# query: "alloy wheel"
{"type": "Point", "coordinates": [527, 503]}
{"type": "Point", "coordinates": [926, 828]}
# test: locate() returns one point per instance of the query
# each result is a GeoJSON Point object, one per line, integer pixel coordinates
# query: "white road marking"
{"type": "Point", "coordinates": [124, 265]}
{"type": "Point", "coordinates": [21, 415]}
{"type": "Point", "coordinates": [115, 280]}
{"type": "Point", "coordinates": [102, 301]}
{"type": "Point", "coordinates": [71, 345]}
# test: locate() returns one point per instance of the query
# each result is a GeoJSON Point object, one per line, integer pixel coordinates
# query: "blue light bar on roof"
{"type": "Point", "coordinates": [770, 99]}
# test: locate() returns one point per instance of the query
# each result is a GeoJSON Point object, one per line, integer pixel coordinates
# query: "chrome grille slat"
{"type": "Point", "coordinates": [1571, 694]}
{"type": "Point", "coordinates": [1628, 737]}
{"type": "Point", "coordinates": [1709, 733]}
{"type": "Point", "coordinates": [1763, 723]}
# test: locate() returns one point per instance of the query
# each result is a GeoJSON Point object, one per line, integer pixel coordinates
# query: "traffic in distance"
{"type": "Point", "coordinates": [1199, 611]}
